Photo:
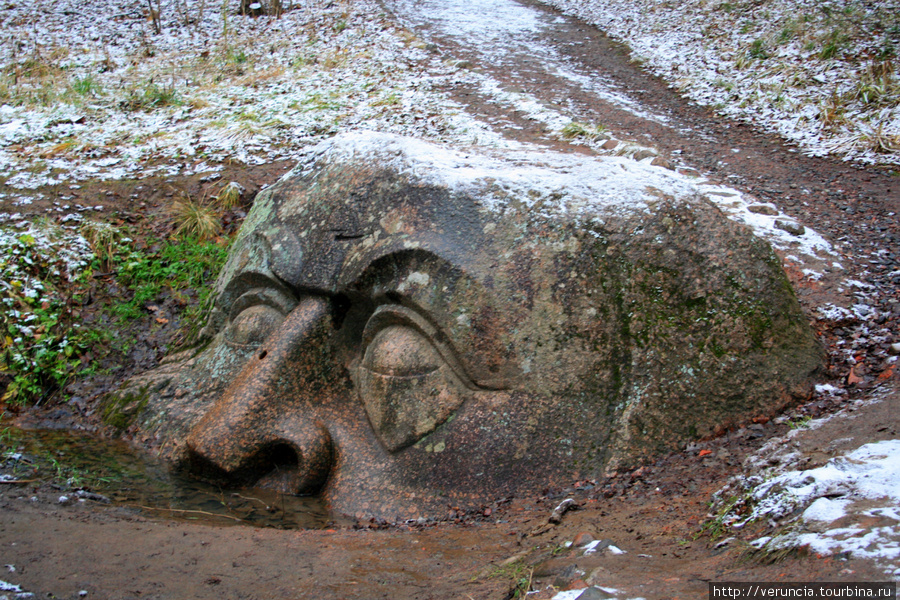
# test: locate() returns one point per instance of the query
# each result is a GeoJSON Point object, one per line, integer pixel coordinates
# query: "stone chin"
{"type": "Point", "coordinates": [400, 327]}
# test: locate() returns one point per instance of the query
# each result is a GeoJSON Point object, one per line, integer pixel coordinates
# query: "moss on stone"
{"type": "Point", "coordinates": [119, 409]}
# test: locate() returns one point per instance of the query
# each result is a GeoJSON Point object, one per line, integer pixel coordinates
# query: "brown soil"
{"type": "Point", "coordinates": [656, 513]}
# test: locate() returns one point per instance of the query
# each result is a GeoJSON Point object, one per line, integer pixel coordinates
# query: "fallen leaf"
{"type": "Point", "coordinates": [705, 452]}
{"type": "Point", "coordinates": [161, 320]}
{"type": "Point", "coordinates": [852, 378]}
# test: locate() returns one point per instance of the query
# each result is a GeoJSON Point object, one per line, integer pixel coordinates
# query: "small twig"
{"type": "Point", "coordinates": [564, 506]}
{"type": "Point", "coordinates": [18, 480]}
{"type": "Point", "coordinates": [193, 512]}
{"type": "Point", "coordinates": [252, 499]}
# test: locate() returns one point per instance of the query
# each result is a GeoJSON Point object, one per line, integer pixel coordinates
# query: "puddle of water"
{"type": "Point", "coordinates": [78, 461]}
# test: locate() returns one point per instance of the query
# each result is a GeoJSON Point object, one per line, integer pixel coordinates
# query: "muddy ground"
{"type": "Point", "coordinates": [657, 514]}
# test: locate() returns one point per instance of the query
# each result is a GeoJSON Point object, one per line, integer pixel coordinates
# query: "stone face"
{"type": "Point", "coordinates": [399, 328]}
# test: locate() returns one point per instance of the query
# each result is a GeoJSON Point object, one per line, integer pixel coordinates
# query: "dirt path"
{"type": "Point", "coordinates": [655, 513]}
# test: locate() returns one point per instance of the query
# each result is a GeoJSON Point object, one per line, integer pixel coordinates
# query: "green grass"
{"type": "Point", "coordinates": [758, 49]}
{"type": "Point", "coordinates": [86, 86]}
{"type": "Point", "coordinates": [40, 337]}
{"type": "Point", "coordinates": [179, 265]}
{"type": "Point", "coordinates": [43, 344]}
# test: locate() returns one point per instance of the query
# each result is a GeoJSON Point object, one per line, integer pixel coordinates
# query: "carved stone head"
{"type": "Point", "coordinates": [399, 328]}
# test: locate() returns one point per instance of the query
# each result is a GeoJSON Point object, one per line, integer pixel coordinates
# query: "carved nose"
{"type": "Point", "coordinates": [261, 430]}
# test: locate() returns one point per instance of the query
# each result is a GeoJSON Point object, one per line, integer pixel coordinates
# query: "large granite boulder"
{"type": "Point", "coordinates": [401, 327]}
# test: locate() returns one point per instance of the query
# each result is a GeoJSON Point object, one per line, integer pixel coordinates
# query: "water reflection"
{"type": "Point", "coordinates": [103, 469]}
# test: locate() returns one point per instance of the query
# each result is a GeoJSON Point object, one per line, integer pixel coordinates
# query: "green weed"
{"type": "Point", "coordinates": [104, 240]}
{"type": "Point", "coordinates": [392, 99]}
{"type": "Point", "coordinates": [800, 423]}
{"type": "Point", "coordinates": [834, 44]}
{"type": "Point", "coordinates": [520, 576]}
{"type": "Point", "coordinates": [877, 85]}
{"type": "Point", "coordinates": [86, 86]}
{"type": "Point", "coordinates": [183, 264]}
{"type": "Point", "coordinates": [150, 97]}
{"type": "Point", "coordinates": [40, 339]}
{"type": "Point", "coordinates": [758, 49]}
{"type": "Point", "coordinates": [43, 345]}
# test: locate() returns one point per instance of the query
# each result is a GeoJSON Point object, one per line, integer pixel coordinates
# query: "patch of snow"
{"type": "Point", "coordinates": [9, 587]}
{"type": "Point", "coordinates": [550, 182]}
{"type": "Point", "coordinates": [847, 505]}
{"type": "Point", "coordinates": [612, 592]}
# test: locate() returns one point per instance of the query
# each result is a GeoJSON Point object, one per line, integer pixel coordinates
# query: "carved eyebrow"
{"type": "Point", "coordinates": [273, 296]}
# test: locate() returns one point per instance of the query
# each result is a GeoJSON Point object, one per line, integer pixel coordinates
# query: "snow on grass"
{"type": "Point", "coordinates": [127, 102]}
{"type": "Point", "coordinates": [226, 87]}
{"type": "Point", "coordinates": [821, 73]}
{"type": "Point", "coordinates": [848, 505]}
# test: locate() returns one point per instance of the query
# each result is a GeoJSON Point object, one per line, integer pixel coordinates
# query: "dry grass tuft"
{"type": "Point", "coordinates": [575, 130]}
{"type": "Point", "coordinates": [229, 196]}
{"type": "Point", "coordinates": [194, 218]}
{"type": "Point", "coordinates": [104, 240]}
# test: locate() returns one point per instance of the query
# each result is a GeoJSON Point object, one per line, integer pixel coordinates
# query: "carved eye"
{"type": "Point", "coordinates": [406, 384]}
{"type": "Point", "coordinates": [256, 315]}
{"type": "Point", "coordinates": [254, 325]}
{"type": "Point", "coordinates": [400, 351]}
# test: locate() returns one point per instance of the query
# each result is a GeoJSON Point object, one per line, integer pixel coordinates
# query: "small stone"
{"type": "Point", "coordinates": [790, 226]}
{"type": "Point", "coordinates": [594, 593]}
{"type": "Point", "coordinates": [762, 209]}
{"type": "Point", "coordinates": [582, 539]}
{"type": "Point", "coordinates": [895, 348]}
{"type": "Point", "coordinates": [567, 576]}
{"type": "Point", "coordinates": [661, 162]}
{"type": "Point", "coordinates": [642, 154]}
{"type": "Point", "coordinates": [82, 593]}
{"type": "Point", "coordinates": [610, 145]}
{"type": "Point", "coordinates": [64, 500]}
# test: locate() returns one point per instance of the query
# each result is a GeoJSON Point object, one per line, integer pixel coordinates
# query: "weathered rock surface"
{"type": "Point", "coordinates": [402, 327]}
